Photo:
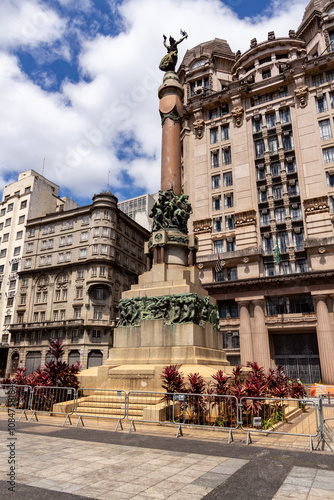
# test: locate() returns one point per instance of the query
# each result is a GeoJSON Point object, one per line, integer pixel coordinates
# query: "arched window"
{"type": "Point", "coordinates": [199, 63]}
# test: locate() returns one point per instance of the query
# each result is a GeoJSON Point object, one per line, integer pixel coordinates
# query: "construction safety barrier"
{"type": "Point", "coordinates": [280, 416]}
{"type": "Point", "coordinates": [326, 418]}
{"type": "Point", "coordinates": [205, 411]}
{"type": "Point", "coordinates": [149, 407]}
{"type": "Point", "coordinates": [54, 401]}
{"type": "Point", "coordinates": [15, 397]}
{"type": "Point", "coordinates": [101, 403]}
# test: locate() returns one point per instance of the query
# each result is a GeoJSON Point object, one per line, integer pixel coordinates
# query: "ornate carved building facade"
{"type": "Point", "coordinates": [258, 164]}
{"type": "Point", "coordinates": [75, 264]}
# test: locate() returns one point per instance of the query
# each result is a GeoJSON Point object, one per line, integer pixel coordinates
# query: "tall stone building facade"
{"type": "Point", "coordinates": [32, 195]}
{"type": "Point", "coordinates": [258, 164]}
{"type": "Point", "coordinates": [75, 264]}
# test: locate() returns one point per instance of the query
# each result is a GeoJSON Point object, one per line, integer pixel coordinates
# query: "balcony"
{"type": "Point", "coordinates": [237, 254]}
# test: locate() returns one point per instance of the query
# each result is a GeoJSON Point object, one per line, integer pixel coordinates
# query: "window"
{"type": "Point", "coordinates": [84, 236]}
{"type": "Point", "coordinates": [38, 297]}
{"type": "Point", "coordinates": [96, 336]}
{"type": "Point", "coordinates": [45, 296]}
{"type": "Point", "coordinates": [3, 252]}
{"type": "Point", "coordinates": [330, 179]}
{"type": "Point", "coordinates": [62, 315]}
{"type": "Point", "coordinates": [83, 253]}
{"type": "Point", "coordinates": [95, 249]}
{"type": "Point", "coordinates": [280, 215]}
{"type": "Point", "coordinates": [96, 231]}
{"type": "Point", "coordinates": [278, 192]}
{"type": "Point", "coordinates": [2, 268]}
{"type": "Point", "coordinates": [213, 114]}
{"type": "Point", "coordinates": [215, 179]}
{"type": "Point", "coordinates": [5, 237]}
{"type": "Point", "coordinates": [263, 194]}
{"type": "Point", "coordinates": [298, 239]}
{"type": "Point", "coordinates": [225, 132]}
{"type": "Point", "coordinates": [228, 200]}
{"type": "Point", "coordinates": [85, 220]}
{"type": "Point", "coordinates": [261, 171]}
{"type": "Point", "coordinates": [10, 301]}
{"type": "Point", "coordinates": [288, 143]}
{"type": "Point", "coordinates": [317, 80]}
{"type": "Point", "coordinates": [273, 145]}
{"type": "Point", "coordinates": [290, 165]}
{"type": "Point", "coordinates": [57, 295]}
{"type": "Point", "coordinates": [24, 281]}
{"type": "Point", "coordinates": [23, 300]}
{"type": "Point", "coordinates": [227, 160]}
{"type": "Point", "coordinates": [259, 148]}
{"type": "Point", "coordinates": [296, 212]}
{"type": "Point", "coordinates": [61, 257]}
{"type": "Point", "coordinates": [293, 188]}
{"type": "Point", "coordinates": [230, 245]}
{"type": "Point", "coordinates": [285, 267]}
{"type": "Point", "coordinates": [257, 123]}
{"type": "Point", "coordinates": [217, 224]}
{"type": "Point", "coordinates": [229, 222]}
{"type": "Point", "coordinates": [8, 222]}
{"type": "Point", "coordinates": [224, 109]}
{"type": "Point", "coordinates": [79, 293]}
{"type": "Point", "coordinates": [283, 241]}
{"type": "Point", "coordinates": [301, 266]}
{"type": "Point", "coordinates": [77, 312]}
{"type": "Point", "coordinates": [331, 99]}
{"type": "Point", "coordinates": [266, 73]}
{"type": "Point", "coordinates": [321, 104]}
{"type": "Point", "coordinates": [325, 129]}
{"type": "Point", "coordinates": [232, 273]}
{"type": "Point", "coordinates": [42, 261]}
{"type": "Point", "coordinates": [271, 120]}
{"type": "Point", "coordinates": [269, 269]}
{"type": "Point", "coordinates": [23, 204]}
{"type": "Point", "coordinates": [228, 308]}
{"type": "Point", "coordinates": [27, 189]}
{"type": "Point", "coordinates": [94, 271]}
{"type": "Point", "coordinates": [10, 207]}
{"type": "Point", "coordinates": [70, 224]}
{"type": "Point", "coordinates": [69, 239]}
{"type": "Point", "coordinates": [328, 155]}
{"type": "Point", "coordinates": [265, 217]}
{"type": "Point", "coordinates": [105, 232]}
{"type": "Point", "coordinates": [19, 235]}
{"type": "Point", "coordinates": [68, 256]}
{"type": "Point", "coordinates": [103, 270]}
{"type": "Point", "coordinates": [55, 315]}
{"type": "Point", "coordinates": [99, 294]}
{"type": "Point", "coordinates": [64, 295]}
{"type": "Point", "coordinates": [62, 241]}
{"type": "Point", "coordinates": [15, 266]}
{"type": "Point", "coordinates": [214, 135]}
{"type": "Point", "coordinates": [7, 319]}
{"type": "Point", "coordinates": [218, 246]}
{"type": "Point", "coordinates": [49, 259]}
{"type": "Point", "coordinates": [104, 249]}
{"type": "Point", "coordinates": [284, 115]}
{"type": "Point", "coordinates": [98, 314]}
{"type": "Point", "coordinates": [215, 159]}
{"type": "Point", "coordinates": [81, 273]}
{"type": "Point", "coordinates": [1, 226]}
{"type": "Point", "coordinates": [228, 179]}
{"type": "Point", "coordinates": [217, 202]}
{"type": "Point", "coordinates": [36, 317]}
{"type": "Point", "coordinates": [27, 262]}
{"type": "Point", "coordinates": [275, 169]}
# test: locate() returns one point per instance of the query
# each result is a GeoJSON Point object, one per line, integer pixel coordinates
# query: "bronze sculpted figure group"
{"type": "Point", "coordinates": [168, 62]}
{"type": "Point", "coordinates": [171, 211]}
{"type": "Point", "coordinates": [173, 309]}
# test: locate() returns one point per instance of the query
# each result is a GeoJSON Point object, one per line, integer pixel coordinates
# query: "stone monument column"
{"type": "Point", "coordinates": [245, 333]}
{"type": "Point", "coordinates": [260, 336]}
{"type": "Point", "coordinates": [171, 112]}
{"type": "Point", "coordinates": [325, 337]}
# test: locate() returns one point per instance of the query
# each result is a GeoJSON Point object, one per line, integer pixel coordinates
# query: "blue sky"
{"type": "Point", "coordinates": [79, 80]}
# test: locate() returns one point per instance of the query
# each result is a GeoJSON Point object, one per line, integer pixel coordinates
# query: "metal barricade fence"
{"type": "Point", "coordinates": [53, 400]}
{"type": "Point", "coordinates": [326, 421]}
{"type": "Point", "coordinates": [101, 403]}
{"type": "Point", "coordinates": [149, 407]}
{"type": "Point", "coordinates": [205, 411]}
{"type": "Point", "coordinates": [15, 397]}
{"type": "Point", "coordinates": [295, 417]}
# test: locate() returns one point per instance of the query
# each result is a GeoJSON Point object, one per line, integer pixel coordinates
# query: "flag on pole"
{"type": "Point", "coordinates": [276, 251]}
{"type": "Point", "coordinates": [219, 265]}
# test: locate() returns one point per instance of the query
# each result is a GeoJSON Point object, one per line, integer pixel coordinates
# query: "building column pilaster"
{"type": "Point", "coordinates": [325, 336]}
{"type": "Point", "coordinates": [245, 333]}
{"type": "Point", "coordinates": [260, 336]}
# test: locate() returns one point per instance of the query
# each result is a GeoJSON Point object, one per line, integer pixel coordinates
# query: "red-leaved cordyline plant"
{"type": "Point", "coordinates": [220, 385]}
{"type": "Point", "coordinates": [196, 384]}
{"type": "Point", "coordinates": [172, 379]}
{"type": "Point", "coordinates": [55, 373]}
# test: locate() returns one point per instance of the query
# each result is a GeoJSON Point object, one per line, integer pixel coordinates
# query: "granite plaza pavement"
{"type": "Point", "coordinates": [70, 463]}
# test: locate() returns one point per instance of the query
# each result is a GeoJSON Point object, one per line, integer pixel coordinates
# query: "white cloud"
{"type": "Point", "coordinates": [28, 23]}
{"type": "Point", "coordinates": [81, 130]}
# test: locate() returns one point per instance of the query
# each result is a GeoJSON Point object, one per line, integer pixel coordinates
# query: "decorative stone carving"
{"type": "Point", "coordinates": [247, 218]}
{"type": "Point", "coordinates": [200, 266]}
{"type": "Point", "coordinates": [202, 226]}
{"type": "Point", "coordinates": [322, 250]}
{"type": "Point", "coordinates": [301, 93]}
{"type": "Point", "coordinates": [199, 126]}
{"type": "Point", "coordinates": [253, 43]}
{"type": "Point", "coordinates": [316, 205]}
{"type": "Point", "coordinates": [271, 35]}
{"type": "Point", "coordinates": [172, 115]}
{"type": "Point", "coordinates": [245, 260]}
{"type": "Point", "coordinates": [237, 114]}
{"type": "Point", "coordinates": [292, 34]}
{"type": "Point", "coordinates": [172, 309]}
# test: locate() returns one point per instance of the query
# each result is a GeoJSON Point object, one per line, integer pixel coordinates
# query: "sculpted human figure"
{"type": "Point", "coordinates": [168, 62]}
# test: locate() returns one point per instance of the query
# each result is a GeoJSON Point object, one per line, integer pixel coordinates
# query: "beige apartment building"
{"type": "Point", "coordinates": [30, 196]}
{"type": "Point", "coordinates": [258, 164]}
{"type": "Point", "coordinates": [75, 264]}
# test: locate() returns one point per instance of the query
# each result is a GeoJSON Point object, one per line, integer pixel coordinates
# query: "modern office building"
{"type": "Point", "coordinates": [258, 164]}
{"type": "Point", "coordinates": [139, 209]}
{"type": "Point", "coordinates": [75, 264]}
